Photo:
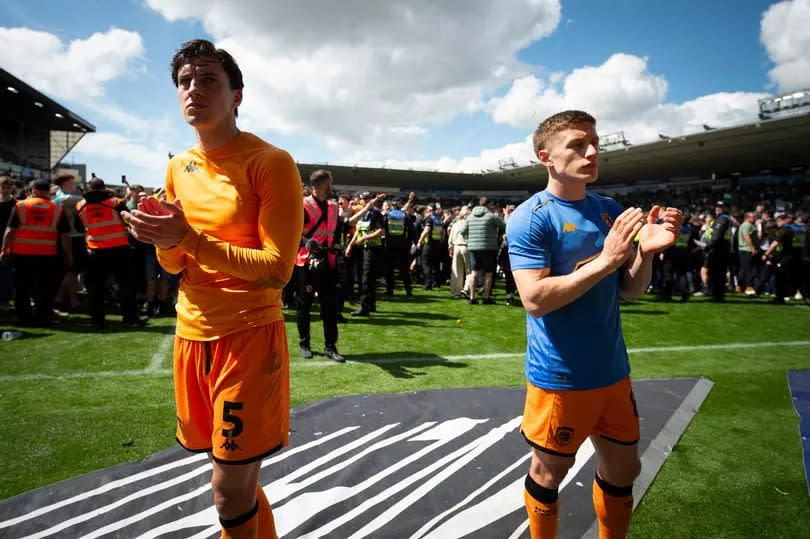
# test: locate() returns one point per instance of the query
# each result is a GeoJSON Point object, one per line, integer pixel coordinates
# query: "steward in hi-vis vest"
{"type": "Point", "coordinates": [316, 265]}
{"type": "Point", "coordinates": [109, 253]}
{"type": "Point", "coordinates": [35, 232]}
{"type": "Point", "coordinates": [398, 240]}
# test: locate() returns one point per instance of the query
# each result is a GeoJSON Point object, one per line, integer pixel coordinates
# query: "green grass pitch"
{"type": "Point", "coordinates": [107, 398]}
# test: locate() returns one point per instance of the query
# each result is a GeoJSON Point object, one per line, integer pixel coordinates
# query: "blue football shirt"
{"type": "Point", "coordinates": [580, 345]}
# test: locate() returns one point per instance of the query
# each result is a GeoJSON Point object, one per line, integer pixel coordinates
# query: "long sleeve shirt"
{"type": "Point", "coordinates": [243, 203]}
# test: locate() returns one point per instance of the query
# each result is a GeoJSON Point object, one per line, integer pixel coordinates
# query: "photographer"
{"type": "Point", "coordinates": [316, 265]}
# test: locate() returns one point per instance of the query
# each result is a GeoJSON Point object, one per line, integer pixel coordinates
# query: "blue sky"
{"type": "Point", "coordinates": [406, 84]}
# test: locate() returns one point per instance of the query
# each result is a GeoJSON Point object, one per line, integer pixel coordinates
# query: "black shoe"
{"type": "Point", "coordinates": [334, 356]}
{"type": "Point", "coordinates": [487, 301]}
{"type": "Point", "coordinates": [360, 312]}
{"type": "Point", "coordinates": [428, 287]}
{"type": "Point", "coordinates": [372, 309]}
{"type": "Point", "coordinates": [341, 319]}
{"type": "Point", "coordinates": [305, 352]}
{"type": "Point", "coordinates": [409, 293]}
{"type": "Point", "coordinates": [473, 301]}
{"type": "Point", "coordinates": [138, 322]}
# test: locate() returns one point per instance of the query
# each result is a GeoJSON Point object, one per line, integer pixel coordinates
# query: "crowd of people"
{"type": "Point", "coordinates": [750, 239]}
{"type": "Point", "coordinates": [61, 239]}
{"type": "Point", "coordinates": [754, 241]}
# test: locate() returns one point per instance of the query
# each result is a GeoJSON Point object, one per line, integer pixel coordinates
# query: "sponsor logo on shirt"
{"type": "Point", "coordinates": [569, 227]}
{"type": "Point", "coordinates": [191, 167]}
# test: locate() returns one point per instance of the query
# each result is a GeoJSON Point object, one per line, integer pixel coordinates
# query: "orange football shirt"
{"type": "Point", "coordinates": [243, 203]}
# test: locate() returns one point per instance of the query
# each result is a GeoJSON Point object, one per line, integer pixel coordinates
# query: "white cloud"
{"type": "Point", "coordinates": [785, 33]}
{"type": "Point", "coordinates": [144, 161]}
{"type": "Point", "coordinates": [623, 96]}
{"type": "Point", "coordinates": [348, 71]}
{"type": "Point", "coordinates": [487, 159]}
{"type": "Point", "coordinates": [77, 70]}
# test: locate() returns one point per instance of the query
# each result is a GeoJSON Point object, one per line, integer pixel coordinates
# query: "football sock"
{"type": "Point", "coordinates": [542, 506]}
{"type": "Point", "coordinates": [614, 508]}
{"type": "Point", "coordinates": [267, 524]}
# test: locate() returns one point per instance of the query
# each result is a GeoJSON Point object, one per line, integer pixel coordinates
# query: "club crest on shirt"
{"type": "Point", "coordinates": [191, 167]}
{"type": "Point", "coordinates": [607, 219]}
{"type": "Point", "coordinates": [569, 227]}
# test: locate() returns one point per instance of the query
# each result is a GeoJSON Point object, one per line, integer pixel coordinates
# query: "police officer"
{"type": "Point", "coordinates": [431, 240]}
{"type": "Point", "coordinates": [109, 253]}
{"type": "Point", "coordinates": [398, 239]}
{"type": "Point", "coordinates": [316, 265]}
{"type": "Point", "coordinates": [717, 251]}
{"type": "Point", "coordinates": [368, 237]}
{"type": "Point", "coordinates": [780, 257]}
{"type": "Point", "coordinates": [675, 266]}
{"type": "Point", "coordinates": [34, 228]}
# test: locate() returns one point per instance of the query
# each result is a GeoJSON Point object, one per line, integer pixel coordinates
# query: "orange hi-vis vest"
{"type": "Point", "coordinates": [325, 233]}
{"type": "Point", "coordinates": [103, 226]}
{"type": "Point", "coordinates": [37, 234]}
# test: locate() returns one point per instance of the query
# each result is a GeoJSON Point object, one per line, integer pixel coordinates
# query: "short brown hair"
{"type": "Point", "coordinates": [556, 123]}
{"type": "Point", "coordinates": [136, 188]}
{"type": "Point", "coordinates": [320, 175]}
{"type": "Point", "coordinates": [483, 201]}
{"type": "Point", "coordinates": [96, 184]}
{"type": "Point", "coordinates": [201, 48]}
{"type": "Point", "coordinates": [5, 180]}
{"type": "Point", "coordinates": [63, 177]}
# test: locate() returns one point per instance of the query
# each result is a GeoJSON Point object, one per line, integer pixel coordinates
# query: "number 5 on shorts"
{"type": "Point", "coordinates": [228, 417]}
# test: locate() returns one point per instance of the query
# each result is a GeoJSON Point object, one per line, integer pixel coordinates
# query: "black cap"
{"type": "Point", "coordinates": [41, 185]}
{"type": "Point", "coordinates": [721, 204]}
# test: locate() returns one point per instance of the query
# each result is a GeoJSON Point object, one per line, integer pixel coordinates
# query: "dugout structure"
{"type": "Point", "coordinates": [36, 132]}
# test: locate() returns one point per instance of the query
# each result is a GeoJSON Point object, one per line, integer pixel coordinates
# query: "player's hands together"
{"type": "Point", "coordinates": [619, 242]}
{"type": "Point", "coordinates": [162, 223]}
{"type": "Point", "coordinates": [656, 237]}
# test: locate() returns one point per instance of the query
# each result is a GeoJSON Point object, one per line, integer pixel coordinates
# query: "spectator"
{"type": "Point", "coordinates": [746, 236]}
{"type": "Point", "coordinates": [483, 229]}
{"type": "Point", "coordinates": [7, 204]}
{"type": "Point", "coordinates": [65, 195]}
{"type": "Point", "coordinates": [460, 256]}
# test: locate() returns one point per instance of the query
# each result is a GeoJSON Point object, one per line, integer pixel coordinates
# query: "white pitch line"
{"type": "Point", "coordinates": [160, 353]}
{"type": "Point", "coordinates": [395, 360]}
{"type": "Point", "coordinates": [649, 349]}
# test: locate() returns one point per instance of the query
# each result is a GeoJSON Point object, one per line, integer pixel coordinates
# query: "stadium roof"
{"type": "Point", "coordinates": [45, 128]}
{"type": "Point", "coordinates": [32, 107]}
{"type": "Point", "coordinates": [750, 149]}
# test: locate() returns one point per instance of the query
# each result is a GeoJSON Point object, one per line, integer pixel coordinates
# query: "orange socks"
{"type": "Point", "coordinates": [614, 508]}
{"type": "Point", "coordinates": [542, 506]}
{"type": "Point", "coordinates": [266, 523]}
{"type": "Point", "coordinates": [255, 524]}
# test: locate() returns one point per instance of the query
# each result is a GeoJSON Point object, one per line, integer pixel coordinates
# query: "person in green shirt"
{"type": "Point", "coordinates": [747, 250]}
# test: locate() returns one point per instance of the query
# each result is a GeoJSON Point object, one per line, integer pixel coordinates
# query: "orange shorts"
{"type": "Point", "coordinates": [557, 422]}
{"type": "Point", "coordinates": [233, 394]}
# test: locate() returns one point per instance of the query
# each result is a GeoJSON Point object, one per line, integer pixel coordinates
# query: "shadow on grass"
{"type": "Point", "coordinates": [406, 365]}
{"type": "Point", "coordinates": [642, 311]}
{"type": "Point", "coordinates": [77, 324]}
